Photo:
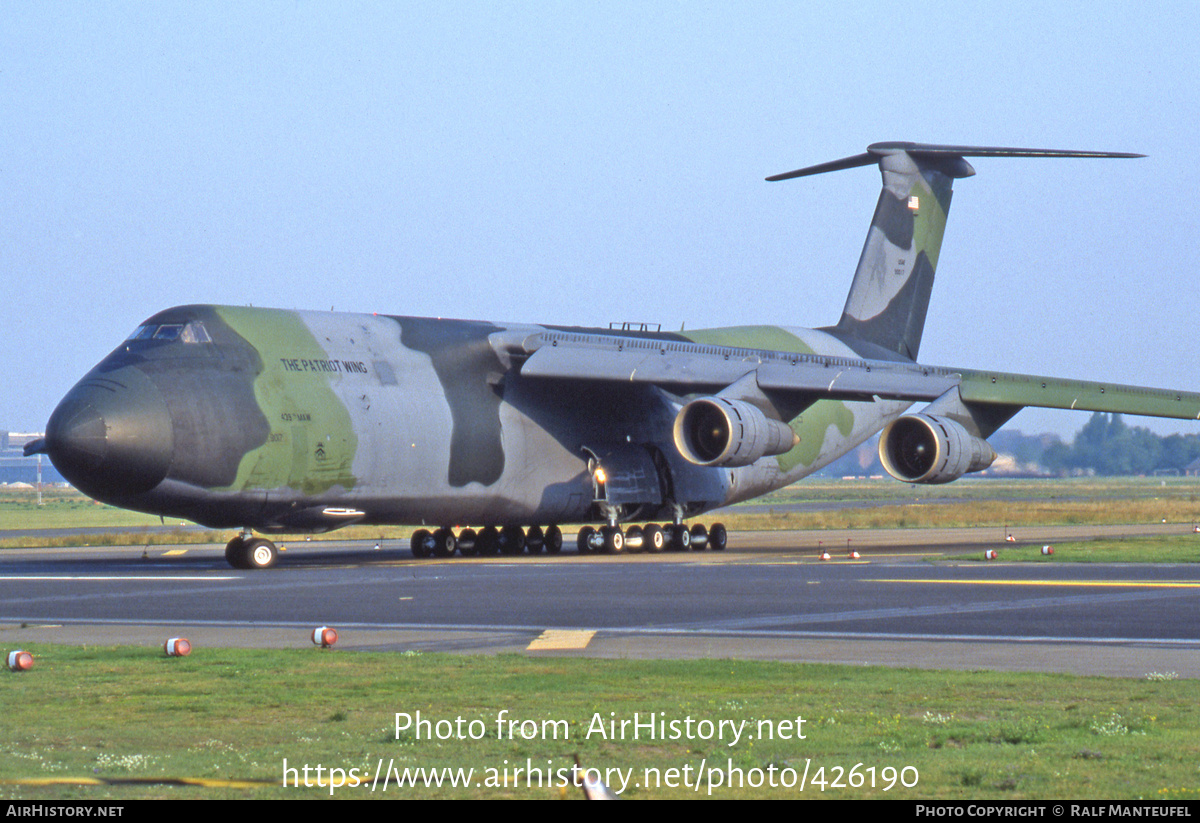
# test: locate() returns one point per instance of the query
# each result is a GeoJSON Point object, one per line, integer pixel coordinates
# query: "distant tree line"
{"type": "Point", "coordinates": [1108, 446]}
{"type": "Point", "coordinates": [1105, 445]}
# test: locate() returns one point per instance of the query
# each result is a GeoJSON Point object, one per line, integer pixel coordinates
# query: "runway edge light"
{"type": "Point", "coordinates": [324, 636]}
{"type": "Point", "coordinates": [20, 661]}
{"type": "Point", "coordinates": [177, 647]}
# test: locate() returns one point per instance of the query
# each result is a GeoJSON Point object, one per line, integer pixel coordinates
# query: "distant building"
{"type": "Point", "coordinates": [15, 467]}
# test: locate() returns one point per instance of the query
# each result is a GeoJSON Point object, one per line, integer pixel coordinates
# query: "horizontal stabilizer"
{"type": "Point", "coordinates": [876, 151]}
{"type": "Point", "coordinates": [864, 159]}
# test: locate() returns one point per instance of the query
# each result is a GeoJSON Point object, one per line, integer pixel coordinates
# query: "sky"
{"type": "Point", "coordinates": [586, 162]}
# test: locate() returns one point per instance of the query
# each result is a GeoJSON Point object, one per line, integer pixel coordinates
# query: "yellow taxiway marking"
{"type": "Point", "coordinates": [1144, 584]}
{"type": "Point", "coordinates": [173, 552]}
{"type": "Point", "coordinates": [560, 639]}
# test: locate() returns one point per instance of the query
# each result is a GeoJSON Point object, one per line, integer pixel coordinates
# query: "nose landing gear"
{"type": "Point", "coordinates": [249, 552]}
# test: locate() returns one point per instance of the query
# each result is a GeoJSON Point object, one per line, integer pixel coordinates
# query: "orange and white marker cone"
{"type": "Point", "coordinates": [1047, 550]}
{"type": "Point", "coordinates": [177, 647]}
{"type": "Point", "coordinates": [324, 636]}
{"type": "Point", "coordinates": [1009, 539]}
{"type": "Point", "coordinates": [823, 556]}
{"type": "Point", "coordinates": [20, 661]}
{"type": "Point", "coordinates": [990, 554]}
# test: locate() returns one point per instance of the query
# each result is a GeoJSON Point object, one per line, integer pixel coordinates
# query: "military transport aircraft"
{"type": "Point", "coordinates": [290, 421]}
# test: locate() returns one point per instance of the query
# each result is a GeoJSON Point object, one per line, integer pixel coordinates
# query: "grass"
{"type": "Point", "coordinates": [225, 714]}
{"type": "Point", "coordinates": [976, 487]}
{"type": "Point", "coordinates": [964, 515]}
{"type": "Point", "coordinates": [878, 504]}
{"type": "Point", "coordinates": [64, 508]}
{"type": "Point", "coordinates": [1166, 549]}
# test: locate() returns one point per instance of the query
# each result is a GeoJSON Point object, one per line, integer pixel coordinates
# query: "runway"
{"type": "Point", "coordinates": [914, 598]}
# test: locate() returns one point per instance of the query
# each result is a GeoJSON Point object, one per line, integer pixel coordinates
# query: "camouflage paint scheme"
{"type": "Point", "coordinates": [305, 421]}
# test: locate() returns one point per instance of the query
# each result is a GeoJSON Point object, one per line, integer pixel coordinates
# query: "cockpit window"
{"type": "Point", "coordinates": [193, 332]}
{"type": "Point", "coordinates": [142, 333]}
{"type": "Point", "coordinates": [168, 332]}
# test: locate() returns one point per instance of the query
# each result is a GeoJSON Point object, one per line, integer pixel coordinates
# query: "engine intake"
{"type": "Point", "coordinates": [717, 431]}
{"type": "Point", "coordinates": [923, 448]}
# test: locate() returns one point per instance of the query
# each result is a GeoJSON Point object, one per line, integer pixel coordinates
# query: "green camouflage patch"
{"type": "Point", "coordinates": [312, 442]}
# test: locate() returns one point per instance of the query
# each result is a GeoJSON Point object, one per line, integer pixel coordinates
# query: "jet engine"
{"type": "Point", "coordinates": [717, 431]}
{"type": "Point", "coordinates": [923, 448]}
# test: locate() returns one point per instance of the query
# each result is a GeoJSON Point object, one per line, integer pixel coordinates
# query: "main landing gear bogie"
{"type": "Point", "coordinates": [512, 541]}
{"type": "Point", "coordinates": [651, 538]}
{"type": "Point", "coordinates": [487, 542]}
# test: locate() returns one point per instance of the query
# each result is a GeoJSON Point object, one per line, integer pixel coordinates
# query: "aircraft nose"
{"type": "Point", "coordinates": [111, 435]}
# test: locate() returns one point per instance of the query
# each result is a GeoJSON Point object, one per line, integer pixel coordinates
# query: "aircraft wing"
{"type": "Point", "coordinates": [1001, 389]}
{"type": "Point", "coordinates": [692, 368]}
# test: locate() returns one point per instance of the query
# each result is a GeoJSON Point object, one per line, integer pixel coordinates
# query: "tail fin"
{"type": "Point", "coordinates": [890, 294]}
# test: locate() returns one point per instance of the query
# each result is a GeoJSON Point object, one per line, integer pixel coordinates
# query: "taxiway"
{"type": "Point", "coordinates": [917, 598]}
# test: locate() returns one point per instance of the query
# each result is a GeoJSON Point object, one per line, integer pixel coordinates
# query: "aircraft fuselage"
{"type": "Point", "coordinates": [304, 421]}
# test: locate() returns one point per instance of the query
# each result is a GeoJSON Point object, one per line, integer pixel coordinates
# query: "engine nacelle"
{"type": "Point", "coordinates": [923, 448]}
{"type": "Point", "coordinates": [717, 431]}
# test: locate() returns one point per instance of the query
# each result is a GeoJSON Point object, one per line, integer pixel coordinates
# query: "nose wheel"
{"type": "Point", "coordinates": [249, 552]}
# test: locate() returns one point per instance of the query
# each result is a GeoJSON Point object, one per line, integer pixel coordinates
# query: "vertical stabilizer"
{"type": "Point", "coordinates": [890, 294]}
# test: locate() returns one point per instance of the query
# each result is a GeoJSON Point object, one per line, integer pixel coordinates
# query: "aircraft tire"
{"type": "Point", "coordinates": [681, 538]}
{"type": "Point", "coordinates": [259, 554]}
{"type": "Point", "coordinates": [553, 540]}
{"type": "Point", "coordinates": [421, 543]}
{"type": "Point", "coordinates": [234, 552]}
{"type": "Point", "coordinates": [718, 537]}
{"type": "Point", "coordinates": [488, 541]}
{"type": "Point", "coordinates": [635, 539]}
{"type": "Point", "coordinates": [614, 539]}
{"type": "Point", "coordinates": [699, 536]}
{"type": "Point", "coordinates": [535, 540]}
{"type": "Point", "coordinates": [512, 540]}
{"type": "Point", "coordinates": [653, 538]}
{"type": "Point", "coordinates": [584, 540]}
{"type": "Point", "coordinates": [444, 543]}
{"type": "Point", "coordinates": [467, 545]}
